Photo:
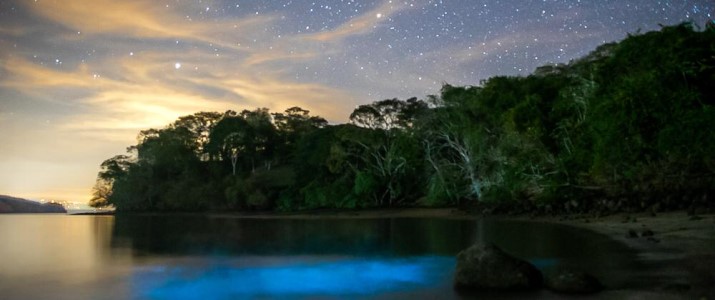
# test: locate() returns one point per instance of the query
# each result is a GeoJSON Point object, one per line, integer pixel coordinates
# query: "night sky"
{"type": "Point", "coordinates": [80, 78]}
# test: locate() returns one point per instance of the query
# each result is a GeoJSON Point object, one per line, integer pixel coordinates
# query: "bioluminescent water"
{"type": "Point", "coordinates": [285, 277]}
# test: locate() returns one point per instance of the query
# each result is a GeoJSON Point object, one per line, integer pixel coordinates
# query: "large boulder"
{"type": "Point", "coordinates": [568, 281]}
{"type": "Point", "coordinates": [486, 267]}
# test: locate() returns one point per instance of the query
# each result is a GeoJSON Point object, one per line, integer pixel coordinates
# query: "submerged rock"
{"type": "Point", "coordinates": [486, 267]}
{"type": "Point", "coordinates": [570, 281]}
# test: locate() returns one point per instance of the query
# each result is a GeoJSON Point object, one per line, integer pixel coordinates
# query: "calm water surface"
{"type": "Point", "coordinates": [189, 257]}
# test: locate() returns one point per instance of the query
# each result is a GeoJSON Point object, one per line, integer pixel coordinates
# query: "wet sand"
{"type": "Point", "coordinates": [679, 256]}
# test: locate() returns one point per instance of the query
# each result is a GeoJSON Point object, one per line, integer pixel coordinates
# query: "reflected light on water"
{"type": "Point", "coordinates": [356, 277]}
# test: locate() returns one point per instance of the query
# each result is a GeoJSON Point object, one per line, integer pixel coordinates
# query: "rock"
{"type": "Point", "coordinates": [653, 240]}
{"type": "Point", "coordinates": [486, 267]}
{"type": "Point", "coordinates": [570, 281]}
{"type": "Point", "coordinates": [695, 218]}
{"type": "Point", "coordinates": [632, 234]}
{"type": "Point", "coordinates": [647, 232]}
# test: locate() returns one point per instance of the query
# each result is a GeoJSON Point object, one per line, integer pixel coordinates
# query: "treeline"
{"type": "Point", "coordinates": [630, 126]}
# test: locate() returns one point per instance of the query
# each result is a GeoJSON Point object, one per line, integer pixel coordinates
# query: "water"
{"type": "Point", "coordinates": [189, 257]}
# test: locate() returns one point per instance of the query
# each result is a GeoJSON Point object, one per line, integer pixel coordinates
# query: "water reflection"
{"type": "Point", "coordinates": [196, 235]}
{"type": "Point", "coordinates": [38, 244]}
{"type": "Point", "coordinates": [386, 242]}
{"type": "Point", "coordinates": [169, 257]}
{"type": "Point", "coordinates": [199, 235]}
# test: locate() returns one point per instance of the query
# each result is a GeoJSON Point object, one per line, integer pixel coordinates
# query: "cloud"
{"type": "Point", "coordinates": [12, 31]}
{"type": "Point", "coordinates": [146, 19]}
{"type": "Point", "coordinates": [106, 16]}
{"type": "Point", "coordinates": [147, 92]}
{"type": "Point", "coordinates": [25, 75]}
{"type": "Point", "coordinates": [208, 79]}
{"type": "Point", "coordinates": [278, 55]}
{"type": "Point", "coordinates": [305, 47]}
{"type": "Point", "coordinates": [362, 24]}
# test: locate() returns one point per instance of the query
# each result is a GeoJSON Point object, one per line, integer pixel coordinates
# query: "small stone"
{"type": "Point", "coordinates": [653, 240]}
{"type": "Point", "coordinates": [691, 211]}
{"type": "Point", "coordinates": [695, 218]}
{"type": "Point", "coordinates": [647, 233]}
{"type": "Point", "coordinates": [632, 234]}
{"type": "Point", "coordinates": [570, 281]}
{"type": "Point", "coordinates": [626, 219]}
{"type": "Point", "coordinates": [655, 209]}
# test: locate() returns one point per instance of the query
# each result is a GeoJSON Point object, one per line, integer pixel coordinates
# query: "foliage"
{"type": "Point", "coordinates": [632, 121]}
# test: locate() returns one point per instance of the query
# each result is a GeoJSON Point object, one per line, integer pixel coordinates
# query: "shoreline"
{"type": "Point", "coordinates": [677, 249]}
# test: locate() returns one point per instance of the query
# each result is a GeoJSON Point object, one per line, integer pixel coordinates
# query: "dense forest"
{"type": "Point", "coordinates": [629, 126]}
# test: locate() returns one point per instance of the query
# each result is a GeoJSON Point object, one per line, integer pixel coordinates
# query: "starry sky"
{"type": "Point", "coordinates": [80, 78]}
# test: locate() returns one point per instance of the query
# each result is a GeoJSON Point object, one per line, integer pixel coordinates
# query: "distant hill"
{"type": "Point", "coordinates": [16, 205]}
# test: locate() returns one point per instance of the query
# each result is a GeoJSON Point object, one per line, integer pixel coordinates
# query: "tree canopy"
{"type": "Point", "coordinates": [628, 126]}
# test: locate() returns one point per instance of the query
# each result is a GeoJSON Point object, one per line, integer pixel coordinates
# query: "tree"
{"type": "Point", "coordinates": [112, 169]}
{"type": "Point", "coordinates": [199, 125]}
{"type": "Point", "coordinates": [231, 139]}
{"type": "Point", "coordinates": [293, 124]}
{"type": "Point", "coordinates": [388, 114]}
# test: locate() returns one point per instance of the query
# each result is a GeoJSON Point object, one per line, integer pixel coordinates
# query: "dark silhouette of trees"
{"type": "Point", "coordinates": [628, 126]}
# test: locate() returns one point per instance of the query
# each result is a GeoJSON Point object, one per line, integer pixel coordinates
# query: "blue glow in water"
{"type": "Point", "coordinates": [353, 277]}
